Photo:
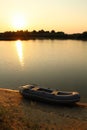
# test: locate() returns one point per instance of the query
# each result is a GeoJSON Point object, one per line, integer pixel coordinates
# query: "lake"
{"type": "Point", "coordinates": [60, 64]}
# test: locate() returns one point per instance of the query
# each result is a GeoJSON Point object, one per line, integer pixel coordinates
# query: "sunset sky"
{"type": "Point", "coordinates": [69, 16]}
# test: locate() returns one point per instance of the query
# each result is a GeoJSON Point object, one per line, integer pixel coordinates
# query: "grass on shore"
{"type": "Point", "coordinates": [7, 120]}
{"type": "Point", "coordinates": [16, 113]}
{"type": "Point", "coordinates": [4, 119]}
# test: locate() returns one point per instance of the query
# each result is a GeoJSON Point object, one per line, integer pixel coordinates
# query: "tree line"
{"type": "Point", "coordinates": [41, 34]}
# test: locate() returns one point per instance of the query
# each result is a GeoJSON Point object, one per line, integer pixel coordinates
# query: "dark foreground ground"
{"type": "Point", "coordinates": [17, 113]}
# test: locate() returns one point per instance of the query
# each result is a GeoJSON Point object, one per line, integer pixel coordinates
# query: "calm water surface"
{"type": "Point", "coordinates": [58, 64]}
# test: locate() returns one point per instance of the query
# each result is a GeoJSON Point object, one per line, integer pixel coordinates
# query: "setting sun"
{"type": "Point", "coordinates": [18, 22]}
{"type": "Point", "coordinates": [68, 16]}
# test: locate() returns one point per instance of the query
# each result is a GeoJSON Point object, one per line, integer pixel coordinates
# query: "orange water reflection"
{"type": "Point", "coordinates": [19, 47]}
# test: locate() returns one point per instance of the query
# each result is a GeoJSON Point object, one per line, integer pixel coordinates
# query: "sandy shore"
{"type": "Point", "coordinates": [25, 114]}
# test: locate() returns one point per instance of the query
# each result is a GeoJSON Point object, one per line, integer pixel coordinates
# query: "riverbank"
{"type": "Point", "coordinates": [41, 34]}
{"type": "Point", "coordinates": [22, 114]}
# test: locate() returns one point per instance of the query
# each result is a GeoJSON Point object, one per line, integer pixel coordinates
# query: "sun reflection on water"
{"type": "Point", "coordinates": [19, 48]}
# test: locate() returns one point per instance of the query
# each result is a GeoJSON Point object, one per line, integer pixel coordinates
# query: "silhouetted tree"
{"type": "Point", "coordinates": [41, 34]}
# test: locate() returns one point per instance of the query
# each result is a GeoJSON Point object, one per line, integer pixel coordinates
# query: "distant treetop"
{"type": "Point", "coordinates": [41, 34]}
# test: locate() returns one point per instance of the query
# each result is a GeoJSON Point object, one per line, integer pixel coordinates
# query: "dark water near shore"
{"type": "Point", "coordinates": [58, 64]}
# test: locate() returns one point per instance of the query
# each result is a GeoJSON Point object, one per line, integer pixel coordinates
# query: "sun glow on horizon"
{"type": "Point", "coordinates": [68, 16]}
{"type": "Point", "coordinates": [18, 22]}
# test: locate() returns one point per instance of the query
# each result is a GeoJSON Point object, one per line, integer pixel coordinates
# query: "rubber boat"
{"type": "Point", "coordinates": [35, 92]}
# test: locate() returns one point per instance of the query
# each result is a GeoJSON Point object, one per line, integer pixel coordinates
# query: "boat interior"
{"type": "Point", "coordinates": [55, 92]}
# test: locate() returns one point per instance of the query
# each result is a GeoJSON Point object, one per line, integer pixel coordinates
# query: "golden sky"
{"type": "Point", "coordinates": [69, 16]}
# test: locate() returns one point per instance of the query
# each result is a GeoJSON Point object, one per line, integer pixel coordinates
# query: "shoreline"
{"type": "Point", "coordinates": [26, 114]}
{"type": "Point", "coordinates": [41, 34]}
{"type": "Point", "coordinates": [82, 104]}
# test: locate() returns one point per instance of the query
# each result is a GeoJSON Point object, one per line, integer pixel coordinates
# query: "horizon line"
{"type": "Point", "coordinates": [26, 30]}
